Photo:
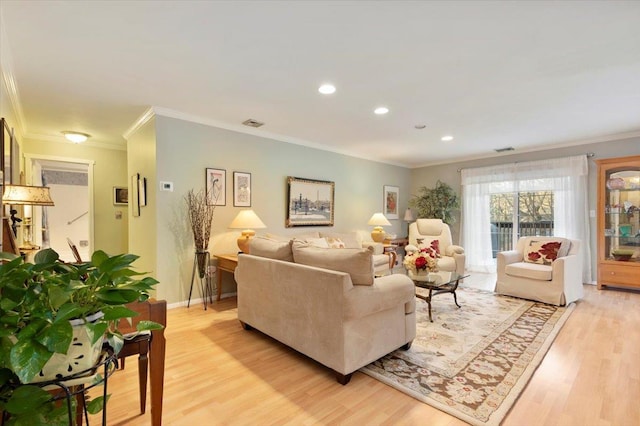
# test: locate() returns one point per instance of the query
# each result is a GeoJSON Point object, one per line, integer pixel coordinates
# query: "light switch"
{"type": "Point", "coordinates": [166, 186]}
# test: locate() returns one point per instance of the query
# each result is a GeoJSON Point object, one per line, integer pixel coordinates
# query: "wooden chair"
{"type": "Point", "coordinates": [148, 347]}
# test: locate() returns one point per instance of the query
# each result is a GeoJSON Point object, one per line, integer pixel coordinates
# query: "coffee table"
{"type": "Point", "coordinates": [438, 283]}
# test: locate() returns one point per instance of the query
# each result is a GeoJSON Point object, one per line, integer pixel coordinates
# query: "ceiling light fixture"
{"type": "Point", "coordinates": [327, 89]}
{"type": "Point", "coordinates": [76, 137]}
{"type": "Point", "coordinates": [420, 126]}
{"type": "Point", "coordinates": [381, 110]}
{"type": "Point", "coordinates": [447, 138]}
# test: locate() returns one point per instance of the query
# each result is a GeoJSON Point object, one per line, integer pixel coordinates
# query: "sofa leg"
{"type": "Point", "coordinates": [406, 346]}
{"type": "Point", "coordinates": [343, 379]}
{"type": "Point", "coordinates": [246, 326]}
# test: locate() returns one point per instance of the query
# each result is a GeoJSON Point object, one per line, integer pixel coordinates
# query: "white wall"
{"type": "Point", "coordinates": [186, 149]}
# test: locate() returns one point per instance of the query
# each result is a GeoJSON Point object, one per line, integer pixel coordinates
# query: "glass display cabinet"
{"type": "Point", "coordinates": [619, 222]}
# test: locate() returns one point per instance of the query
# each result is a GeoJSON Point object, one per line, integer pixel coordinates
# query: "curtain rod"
{"type": "Point", "coordinates": [588, 154]}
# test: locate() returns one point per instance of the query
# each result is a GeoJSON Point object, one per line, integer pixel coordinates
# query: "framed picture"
{"type": "Point", "coordinates": [142, 191]}
{"type": "Point", "coordinates": [120, 196]}
{"type": "Point", "coordinates": [241, 189]}
{"type": "Point", "coordinates": [135, 200]}
{"type": "Point", "coordinates": [310, 202]}
{"type": "Point", "coordinates": [5, 153]}
{"type": "Point", "coordinates": [216, 184]}
{"type": "Point", "coordinates": [391, 194]}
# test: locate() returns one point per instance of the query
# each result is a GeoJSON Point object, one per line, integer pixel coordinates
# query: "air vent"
{"type": "Point", "coordinates": [252, 123]}
{"type": "Point", "coordinates": [509, 148]}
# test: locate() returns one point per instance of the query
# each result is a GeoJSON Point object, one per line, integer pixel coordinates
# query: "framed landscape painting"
{"type": "Point", "coordinates": [309, 202]}
{"type": "Point", "coordinates": [391, 194]}
{"type": "Point", "coordinates": [216, 184]}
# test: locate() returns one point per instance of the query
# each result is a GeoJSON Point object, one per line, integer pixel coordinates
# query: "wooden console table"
{"type": "Point", "coordinates": [226, 262]}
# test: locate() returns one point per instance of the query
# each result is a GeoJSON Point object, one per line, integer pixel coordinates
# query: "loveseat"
{"type": "Point", "coordinates": [325, 303]}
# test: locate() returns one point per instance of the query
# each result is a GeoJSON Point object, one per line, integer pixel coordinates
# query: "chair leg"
{"type": "Point", "coordinates": [143, 362]}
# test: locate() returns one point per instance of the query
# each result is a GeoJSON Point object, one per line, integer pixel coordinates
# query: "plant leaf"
{"type": "Point", "coordinates": [57, 337]}
{"type": "Point", "coordinates": [148, 325]}
{"type": "Point", "coordinates": [117, 312]}
{"type": "Point", "coordinates": [67, 312]}
{"type": "Point", "coordinates": [96, 331]}
{"type": "Point", "coordinates": [95, 406]}
{"type": "Point", "coordinates": [27, 359]}
{"type": "Point", "coordinates": [116, 341]}
{"type": "Point", "coordinates": [46, 256]}
{"type": "Point", "coordinates": [25, 399]}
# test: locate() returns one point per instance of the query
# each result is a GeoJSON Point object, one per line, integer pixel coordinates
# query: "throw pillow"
{"type": "Point", "coordinates": [317, 242]}
{"type": "Point", "coordinates": [271, 248]}
{"type": "Point", "coordinates": [433, 249]}
{"type": "Point", "coordinates": [543, 252]}
{"type": "Point", "coordinates": [358, 263]}
{"type": "Point", "coordinates": [350, 239]}
{"type": "Point", "coordinates": [335, 242]}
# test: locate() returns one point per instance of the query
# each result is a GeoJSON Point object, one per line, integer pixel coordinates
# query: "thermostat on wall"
{"type": "Point", "coordinates": [166, 186]}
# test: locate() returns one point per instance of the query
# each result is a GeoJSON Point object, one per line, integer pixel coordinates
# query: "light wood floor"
{"type": "Point", "coordinates": [219, 374]}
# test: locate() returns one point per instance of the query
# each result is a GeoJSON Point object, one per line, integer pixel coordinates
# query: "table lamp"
{"type": "Point", "coordinates": [408, 217]}
{"type": "Point", "coordinates": [22, 195]}
{"type": "Point", "coordinates": [246, 220]}
{"type": "Point", "coordinates": [378, 220]}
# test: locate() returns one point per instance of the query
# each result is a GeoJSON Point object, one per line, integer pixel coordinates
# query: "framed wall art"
{"type": "Point", "coordinates": [391, 194]}
{"type": "Point", "coordinates": [241, 189]}
{"type": "Point", "coordinates": [216, 184]}
{"type": "Point", "coordinates": [120, 196]}
{"type": "Point", "coordinates": [310, 202]}
{"type": "Point", "coordinates": [134, 195]}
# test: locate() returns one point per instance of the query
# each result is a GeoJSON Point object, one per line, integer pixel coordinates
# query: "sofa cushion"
{"type": "Point", "coordinates": [357, 263]}
{"type": "Point", "coordinates": [350, 239]}
{"type": "Point", "coordinates": [271, 248]}
{"type": "Point", "coordinates": [544, 252]}
{"type": "Point", "coordinates": [316, 242]}
{"type": "Point", "coordinates": [532, 271]}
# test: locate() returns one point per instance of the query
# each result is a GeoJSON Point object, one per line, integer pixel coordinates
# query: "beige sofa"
{"type": "Point", "coordinates": [326, 304]}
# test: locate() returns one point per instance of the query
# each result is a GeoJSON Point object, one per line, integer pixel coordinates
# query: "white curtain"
{"type": "Point", "coordinates": [566, 177]}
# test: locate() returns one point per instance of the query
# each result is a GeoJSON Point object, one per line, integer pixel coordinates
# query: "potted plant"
{"type": "Point", "coordinates": [438, 203]}
{"type": "Point", "coordinates": [37, 302]}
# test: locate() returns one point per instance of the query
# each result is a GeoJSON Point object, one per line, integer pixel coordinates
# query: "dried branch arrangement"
{"type": "Point", "coordinates": [200, 218]}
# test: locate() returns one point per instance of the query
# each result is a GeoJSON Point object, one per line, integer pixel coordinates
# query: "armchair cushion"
{"type": "Point", "coordinates": [529, 270]}
{"type": "Point", "coordinates": [546, 251]}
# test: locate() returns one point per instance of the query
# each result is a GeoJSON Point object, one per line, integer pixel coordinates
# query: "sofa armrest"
{"type": "Point", "coordinates": [453, 249]}
{"type": "Point", "coordinates": [378, 248]}
{"type": "Point", "coordinates": [386, 292]}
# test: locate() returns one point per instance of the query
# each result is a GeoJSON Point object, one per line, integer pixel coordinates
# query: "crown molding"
{"type": "Point", "coordinates": [166, 112]}
{"type": "Point", "coordinates": [6, 66]}
{"type": "Point", "coordinates": [579, 142]}
{"type": "Point", "coordinates": [140, 122]}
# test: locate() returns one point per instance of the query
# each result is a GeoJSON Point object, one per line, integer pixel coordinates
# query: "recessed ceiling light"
{"type": "Point", "coordinates": [381, 110]}
{"type": "Point", "coordinates": [76, 137]}
{"type": "Point", "coordinates": [447, 138]}
{"type": "Point", "coordinates": [327, 89]}
{"type": "Point", "coordinates": [420, 126]}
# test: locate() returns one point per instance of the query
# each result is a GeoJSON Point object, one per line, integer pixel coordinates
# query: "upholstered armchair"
{"type": "Point", "coordinates": [529, 272]}
{"type": "Point", "coordinates": [424, 231]}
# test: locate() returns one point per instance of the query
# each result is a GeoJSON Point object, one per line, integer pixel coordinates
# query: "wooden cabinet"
{"type": "Point", "coordinates": [618, 230]}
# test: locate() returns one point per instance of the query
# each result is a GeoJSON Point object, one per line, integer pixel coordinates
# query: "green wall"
{"type": "Point", "coordinates": [185, 149]}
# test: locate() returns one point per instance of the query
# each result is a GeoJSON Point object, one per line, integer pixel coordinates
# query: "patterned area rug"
{"type": "Point", "coordinates": [473, 362]}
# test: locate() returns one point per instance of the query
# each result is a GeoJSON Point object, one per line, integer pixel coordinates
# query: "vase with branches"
{"type": "Point", "coordinates": [201, 219]}
{"type": "Point", "coordinates": [438, 203]}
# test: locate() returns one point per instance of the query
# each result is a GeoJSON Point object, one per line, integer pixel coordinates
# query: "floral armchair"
{"type": "Point", "coordinates": [423, 233]}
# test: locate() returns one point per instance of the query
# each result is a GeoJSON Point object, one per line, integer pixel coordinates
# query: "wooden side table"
{"type": "Point", "coordinates": [390, 250]}
{"type": "Point", "coordinates": [228, 263]}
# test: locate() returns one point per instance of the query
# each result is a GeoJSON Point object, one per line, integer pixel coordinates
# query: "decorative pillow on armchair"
{"type": "Point", "coordinates": [545, 252]}
{"type": "Point", "coordinates": [433, 249]}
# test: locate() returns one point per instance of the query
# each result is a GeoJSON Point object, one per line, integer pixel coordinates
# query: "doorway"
{"type": "Point", "coordinates": [71, 219]}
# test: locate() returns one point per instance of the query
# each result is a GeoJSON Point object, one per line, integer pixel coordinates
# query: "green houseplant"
{"type": "Point", "coordinates": [37, 302]}
{"type": "Point", "coordinates": [437, 203]}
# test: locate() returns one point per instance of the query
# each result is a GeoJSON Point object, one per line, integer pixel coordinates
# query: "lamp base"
{"type": "Point", "coordinates": [244, 241]}
{"type": "Point", "coordinates": [378, 234]}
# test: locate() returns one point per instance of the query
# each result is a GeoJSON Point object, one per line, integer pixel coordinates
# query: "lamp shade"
{"type": "Point", "coordinates": [246, 220]}
{"type": "Point", "coordinates": [408, 215]}
{"type": "Point", "coordinates": [378, 219]}
{"type": "Point", "coordinates": [27, 195]}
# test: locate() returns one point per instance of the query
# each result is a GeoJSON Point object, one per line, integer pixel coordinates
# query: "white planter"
{"type": "Point", "coordinates": [80, 356]}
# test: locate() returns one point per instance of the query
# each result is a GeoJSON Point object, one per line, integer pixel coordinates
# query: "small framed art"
{"type": "Point", "coordinates": [241, 189]}
{"type": "Point", "coordinates": [216, 184]}
{"type": "Point", "coordinates": [391, 194]}
{"type": "Point", "coordinates": [120, 196]}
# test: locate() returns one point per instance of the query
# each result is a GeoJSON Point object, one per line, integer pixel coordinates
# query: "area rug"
{"type": "Point", "coordinates": [474, 361]}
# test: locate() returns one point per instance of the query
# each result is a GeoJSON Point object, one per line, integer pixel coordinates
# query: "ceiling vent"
{"type": "Point", "coordinates": [252, 123]}
{"type": "Point", "coordinates": [509, 148]}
